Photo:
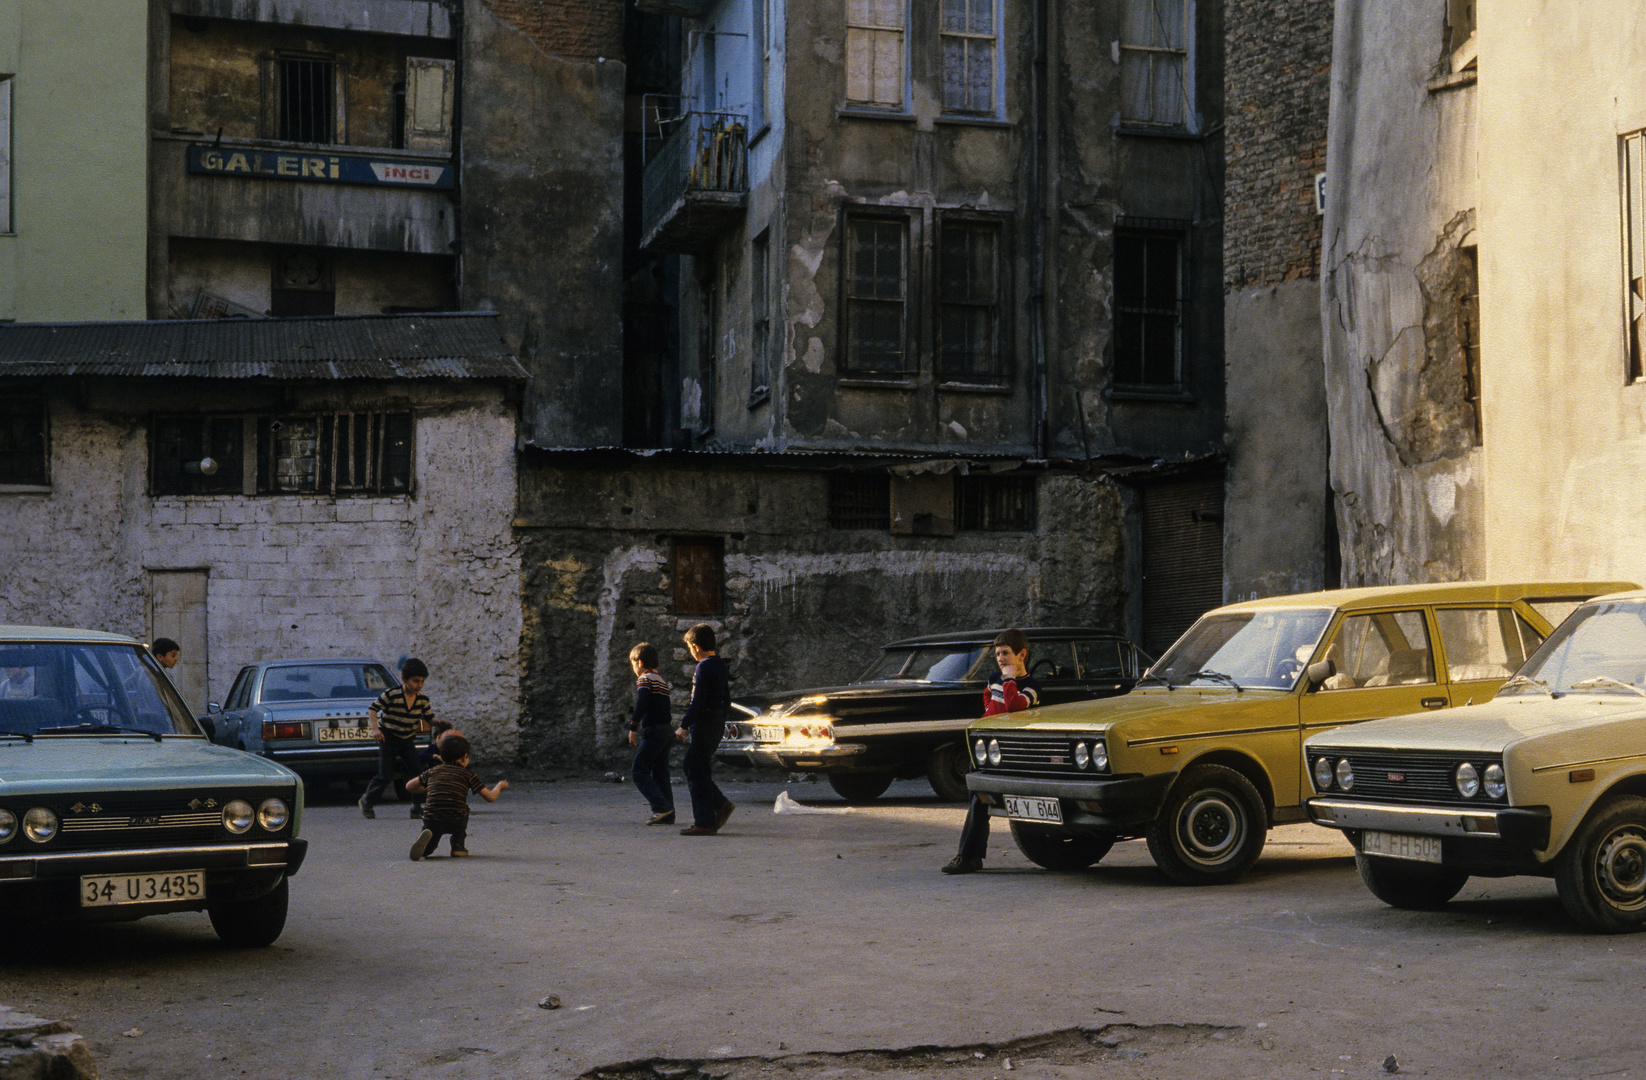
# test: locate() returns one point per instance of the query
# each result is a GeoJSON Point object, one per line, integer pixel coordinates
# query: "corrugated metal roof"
{"type": "Point", "coordinates": [443, 345]}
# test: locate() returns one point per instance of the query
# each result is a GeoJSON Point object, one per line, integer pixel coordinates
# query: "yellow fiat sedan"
{"type": "Point", "coordinates": [1206, 754]}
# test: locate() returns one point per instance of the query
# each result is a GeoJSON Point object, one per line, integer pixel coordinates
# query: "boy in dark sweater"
{"type": "Point", "coordinates": [446, 790]}
{"type": "Point", "coordinates": [705, 724]}
{"type": "Point", "coordinates": [649, 729]}
{"type": "Point", "coordinates": [1010, 689]}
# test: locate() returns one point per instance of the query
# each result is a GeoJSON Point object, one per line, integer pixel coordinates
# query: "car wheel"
{"type": "Point", "coordinates": [860, 787]}
{"type": "Point", "coordinates": [251, 924]}
{"type": "Point", "coordinates": [1059, 849]}
{"type": "Point", "coordinates": [1410, 886]}
{"type": "Point", "coordinates": [946, 771]}
{"type": "Point", "coordinates": [1211, 829]}
{"type": "Point", "coordinates": [1602, 873]}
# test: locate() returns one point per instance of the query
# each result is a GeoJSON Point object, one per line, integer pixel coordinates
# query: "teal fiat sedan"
{"type": "Point", "coordinates": [114, 804]}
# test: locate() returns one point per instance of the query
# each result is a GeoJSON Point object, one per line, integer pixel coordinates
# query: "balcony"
{"type": "Point", "coordinates": [696, 184]}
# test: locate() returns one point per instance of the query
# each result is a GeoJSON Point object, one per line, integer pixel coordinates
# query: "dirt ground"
{"type": "Point", "coordinates": [829, 946]}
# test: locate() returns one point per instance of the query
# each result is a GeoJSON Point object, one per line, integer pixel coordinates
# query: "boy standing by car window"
{"type": "Point", "coordinates": [398, 715]}
{"type": "Point", "coordinates": [1010, 689]}
{"type": "Point", "coordinates": [649, 734]}
{"type": "Point", "coordinates": [705, 724]}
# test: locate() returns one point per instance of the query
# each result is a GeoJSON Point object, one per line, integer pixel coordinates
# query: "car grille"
{"type": "Point", "coordinates": [1405, 777]}
{"type": "Point", "coordinates": [1030, 754]}
{"type": "Point", "coordinates": [105, 823]}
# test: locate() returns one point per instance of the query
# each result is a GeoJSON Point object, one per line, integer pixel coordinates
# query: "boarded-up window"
{"type": "Point", "coordinates": [860, 501]}
{"type": "Point", "coordinates": [968, 50]}
{"type": "Point", "coordinates": [875, 49]}
{"type": "Point", "coordinates": [1149, 295]}
{"type": "Point", "coordinates": [429, 86]}
{"type": "Point", "coordinates": [923, 505]}
{"type": "Point", "coordinates": [1182, 556]}
{"type": "Point", "coordinates": [699, 576]}
{"type": "Point", "coordinates": [969, 288]}
{"type": "Point", "coordinates": [1154, 62]}
{"type": "Point", "coordinates": [876, 286]}
{"type": "Point", "coordinates": [22, 437]}
{"type": "Point", "coordinates": [303, 284]}
{"type": "Point", "coordinates": [995, 503]}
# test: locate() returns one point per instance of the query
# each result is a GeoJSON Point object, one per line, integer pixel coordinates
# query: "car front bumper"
{"type": "Point", "coordinates": [1116, 803]}
{"type": "Point", "coordinates": [790, 758]}
{"type": "Point", "coordinates": [1517, 828]}
{"type": "Point", "coordinates": [50, 881]}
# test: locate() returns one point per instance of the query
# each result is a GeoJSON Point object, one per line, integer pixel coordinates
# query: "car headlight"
{"type": "Point", "coordinates": [8, 826]}
{"type": "Point", "coordinates": [1495, 782]}
{"type": "Point", "coordinates": [40, 825]}
{"type": "Point", "coordinates": [237, 816]}
{"type": "Point", "coordinates": [273, 815]}
{"type": "Point", "coordinates": [994, 751]}
{"type": "Point", "coordinates": [1082, 755]}
{"type": "Point", "coordinates": [1100, 756]}
{"type": "Point", "coordinates": [1467, 779]}
{"type": "Point", "coordinates": [1323, 773]}
{"type": "Point", "coordinates": [980, 752]}
{"type": "Point", "coordinates": [1345, 774]}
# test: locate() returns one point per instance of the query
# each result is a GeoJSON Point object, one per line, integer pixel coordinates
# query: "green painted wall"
{"type": "Point", "coordinates": [75, 245]}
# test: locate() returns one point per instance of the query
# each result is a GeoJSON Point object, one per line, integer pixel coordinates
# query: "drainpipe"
{"type": "Point", "coordinates": [1041, 204]}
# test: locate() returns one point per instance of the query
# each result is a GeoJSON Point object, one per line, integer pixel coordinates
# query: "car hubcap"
{"type": "Point", "coordinates": [1621, 868]}
{"type": "Point", "coordinates": [1210, 826]}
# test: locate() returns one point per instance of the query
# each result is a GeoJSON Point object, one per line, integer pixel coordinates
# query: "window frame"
{"type": "Point", "coordinates": [1004, 356]}
{"type": "Point", "coordinates": [41, 409]}
{"type": "Point", "coordinates": [273, 91]}
{"type": "Point", "coordinates": [760, 318]}
{"type": "Point", "coordinates": [860, 500]}
{"type": "Point", "coordinates": [1181, 233]}
{"type": "Point", "coordinates": [981, 503]}
{"type": "Point", "coordinates": [1632, 181]}
{"type": "Point", "coordinates": [997, 77]}
{"type": "Point", "coordinates": [907, 221]}
{"type": "Point", "coordinates": [255, 474]}
{"type": "Point", "coordinates": [715, 549]}
{"type": "Point", "coordinates": [8, 224]}
{"type": "Point", "coordinates": [1187, 58]}
{"type": "Point", "coordinates": [905, 52]}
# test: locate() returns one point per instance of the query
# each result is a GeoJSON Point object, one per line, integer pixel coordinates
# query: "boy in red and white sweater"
{"type": "Point", "coordinates": [1010, 689]}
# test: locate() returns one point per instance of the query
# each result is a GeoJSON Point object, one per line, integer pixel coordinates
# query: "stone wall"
{"type": "Point", "coordinates": [434, 574]}
{"type": "Point", "coordinates": [804, 604]}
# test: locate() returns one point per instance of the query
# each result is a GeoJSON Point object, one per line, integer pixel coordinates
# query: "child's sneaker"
{"type": "Point", "coordinates": [420, 846]}
{"type": "Point", "coordinates": [460, 852]}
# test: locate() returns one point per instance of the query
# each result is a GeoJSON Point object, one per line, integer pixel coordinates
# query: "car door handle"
{"type": "Point", "coordinates": [1434, 703]}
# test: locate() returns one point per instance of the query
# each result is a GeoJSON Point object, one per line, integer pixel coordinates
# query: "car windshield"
{"type": "Point", "coordinates": [324, 682]}
{"type": "Point", "coordinates": [928, 663]}
{"type": "Point", "coordinates": [1262, 649]}
{"type": "Point", "coordinates": [1600, 649]}
{"type": "Point", "coordinates": [83, 688]}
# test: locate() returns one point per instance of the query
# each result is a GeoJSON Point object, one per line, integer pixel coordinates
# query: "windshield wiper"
{"type": "Point", "coordinates": [1526, 680]}
{"type": "Point", "coordinates": [1219, 676]}
{"type": "Point", "coordinates": [100, 729]}
{"type": "Point", "coordinates": [24, 735]}
{"type": "Point", "coordinates": [1606, 680]}
{"type": "Point", "coordinates": [1161, 679]}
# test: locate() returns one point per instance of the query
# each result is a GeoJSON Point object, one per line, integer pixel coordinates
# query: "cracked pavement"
{"type": "Point", "coordinates": [830, 946]}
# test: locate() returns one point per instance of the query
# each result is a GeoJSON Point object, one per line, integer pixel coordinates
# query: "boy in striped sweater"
{"type": "Point", "coordinates": [445, 789]}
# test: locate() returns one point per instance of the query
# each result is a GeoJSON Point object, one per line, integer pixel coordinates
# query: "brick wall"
{"type": "Point", "coordinates": [573, 29]}
{"type": "Point", "coordinates": [1279, 55]}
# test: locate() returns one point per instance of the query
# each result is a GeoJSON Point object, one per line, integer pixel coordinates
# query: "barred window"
{"type": "Point", "coordinates": [344, 453]}
{"type": "Point", "coordinates": [23, 434]}
{"type": "Point", "coordinates": [969, 287]}
{"type": "Point", "coordinates": [995, 503]}
{"type": "Point", "coordinates": [1149, 300]}
{"type": "Point", "coordinates": [306, 99]}
{"type": "Point", "coordinates": [876, 286]}
{"type": "Point", "coordinates": [860, 501]}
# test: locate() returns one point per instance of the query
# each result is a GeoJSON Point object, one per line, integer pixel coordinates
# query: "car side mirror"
{"type": "Point", "coordinates": [1318, 672]}
{"type": "Point", "coordinates": [214, 706]}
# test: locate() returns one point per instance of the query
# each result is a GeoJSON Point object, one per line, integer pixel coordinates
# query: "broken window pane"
{"type": "Point", "coordinates": [877, 255]}
{"type": "Point", "coordinates": [874, 52]}
{"type": "Point", "coordinates": [1148, 287]}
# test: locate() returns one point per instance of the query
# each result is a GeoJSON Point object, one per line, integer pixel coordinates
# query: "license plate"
{"type": "Point", "coordinates": [1401, 846]}
{"type": "Point", "coordinates": [142, 888]}
{"type": "Point", "coordinates": [768, 734]}
{"type": "Point", "coordinates": [344, 734]}
{"type": "Point", "coordinates": [1024, 808]}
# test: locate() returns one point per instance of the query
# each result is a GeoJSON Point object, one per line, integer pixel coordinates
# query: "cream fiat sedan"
{"type": "Point", "coordinates": [1548, 778]}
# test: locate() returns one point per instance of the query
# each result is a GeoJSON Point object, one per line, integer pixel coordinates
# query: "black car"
{"type": "Point", "coordinates": [906, 715]}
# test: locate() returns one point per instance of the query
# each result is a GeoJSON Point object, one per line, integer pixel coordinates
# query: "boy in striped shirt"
{"type": "Point", "coordinates": [397, 717]}
{"type": "Point", "coordinates": [446, 790]}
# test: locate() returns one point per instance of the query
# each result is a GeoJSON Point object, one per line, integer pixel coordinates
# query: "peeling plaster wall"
{"type": "Point", "coordinates": [1407, 477]}
{"type": "Point", "coordinates": [805, 605]}
{"type": "Point", "coordinates": [366, 283]}
{"type": "Point", "coordinates": [436, 575]}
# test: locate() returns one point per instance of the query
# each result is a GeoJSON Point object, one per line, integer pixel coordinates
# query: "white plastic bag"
{"type": "Point", "coordinates": [786, 805]}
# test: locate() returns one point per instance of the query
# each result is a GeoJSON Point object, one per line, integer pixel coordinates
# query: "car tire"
{"type": "Point", "coordinates": [1410, 886]}
{"type": "Point", "coordinates": [251, 924]}
{"type": "Point", "coordinates": [1060, 849]}
{"type": "Point", "coordinates": [1601, 875]}
{"type": "Point", "coordinates": [1211, 828]}
{"type": "Point", "coordinates": [860, 787]}
{"type": "Point", "coordinates": [946, 771]}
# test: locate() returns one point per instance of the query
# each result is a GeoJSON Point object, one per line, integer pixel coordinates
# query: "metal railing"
{"type": "Point", "coordinates": [693, 152]}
